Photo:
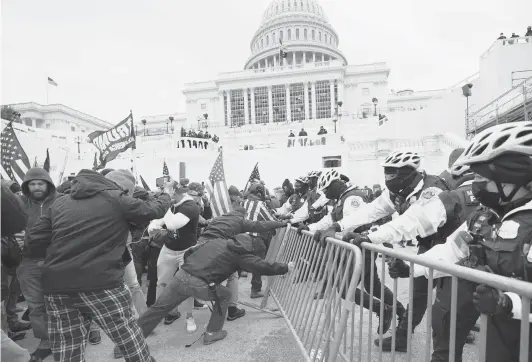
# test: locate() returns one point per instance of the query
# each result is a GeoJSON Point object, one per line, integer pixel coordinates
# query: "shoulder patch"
{"type": "Point", "coordinates": [508, 230]}
{"type": "Point", "coordinates": [428, 194]}
{"type": "Point", "coordinates": [470, 198]}
{"type": "Point", "coordinates": [355, 203]}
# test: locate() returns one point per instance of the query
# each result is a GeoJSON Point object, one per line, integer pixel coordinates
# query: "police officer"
{"type": "Point", "coordinates": [348, 200]}
{"type": "Point", "coordinates": [296, 201]}
{"type": "Point", "coordinates": [440, 215]}
{"type": "Point", "coordinates": [406, 185]}
{"type": "Point", "coordinates": [496, 238]}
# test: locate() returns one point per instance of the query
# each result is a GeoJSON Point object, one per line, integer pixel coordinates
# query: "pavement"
{"type": "Point", "coordinates": [256, 337]}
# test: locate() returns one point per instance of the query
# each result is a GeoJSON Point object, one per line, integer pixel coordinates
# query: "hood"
{"type": "Point", "coordinates": [89, 183]}
{"type": "Point", "coordinates": [244, 244]}
{"type": "Point", "coordinates": [141, 193]}
{"type": "Point", "coordinates": [64, 188]}
{"type": "Point", "coordinates": [37, 173]}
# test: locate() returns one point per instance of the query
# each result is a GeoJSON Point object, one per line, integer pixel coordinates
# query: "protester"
{"type": "Point", "coordinates": [205, 268]}
{"type": "Point", "coordinates": [82, 238]}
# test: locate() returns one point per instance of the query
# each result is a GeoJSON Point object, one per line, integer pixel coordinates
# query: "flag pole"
{"type": "Point", "coordinates": [134, 149]}
{"type": "Point", "coordinates": [59, 182]}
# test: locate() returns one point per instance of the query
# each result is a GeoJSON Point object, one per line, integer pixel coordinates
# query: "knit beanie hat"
{"type": "Point", "coordinates": [123, 178]}
{"type": "Point", "coordinates": [233, 191]}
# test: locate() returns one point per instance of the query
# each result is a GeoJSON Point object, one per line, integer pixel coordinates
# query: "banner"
{"type": "Point", "coordinates": [114, 141]}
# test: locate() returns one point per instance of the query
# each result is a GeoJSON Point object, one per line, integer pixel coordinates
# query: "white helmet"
{"type": "Point", "coordinates": [302, 179]}
{"type": "Point", "coordinates": [314, 174]}
{"type": "Point", "coordinates": [459, 170]}
{"type": "Point", "coordinates": [399, 159]}
{"type": "Point", "coordinates": [497, 140]}
{"type": "Point", "coordinates": [327, 178]}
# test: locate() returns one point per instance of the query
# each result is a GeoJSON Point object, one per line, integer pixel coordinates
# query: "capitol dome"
{"type": "Point", "coordinates": [304, 30]}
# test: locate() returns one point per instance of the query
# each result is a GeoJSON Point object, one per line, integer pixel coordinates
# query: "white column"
{"type": "Point", "coordinates": [313, 57]}
{"type": "Point", "coordinates": [246, 112]}
{"type": "Point", "coordinates": [34, 123]}
{"type": "Point", "coordinates": [221, 108]}
{"type": "Point", "coordinates": [229, 122]}
{"type": "Point", "coordinates": [313, 89]}
{"type": "Point", "coordinates": [253, 120]}
{"type": "Point", "coordinates": [288, 113]}
{"type": "Point", "coordinates": [304, 58]}
{"type": "Point", "coordinates": [305, 90]}
{"type": "Point", "coordinates": [270, 104]}
{"type": "Point", "coordinates": [333, 104]}
{"type": "Point", "coordinates": [294, 58]}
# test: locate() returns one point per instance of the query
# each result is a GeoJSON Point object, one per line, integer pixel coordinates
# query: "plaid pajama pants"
{"type": "Point", "coordinates": [70, 316]}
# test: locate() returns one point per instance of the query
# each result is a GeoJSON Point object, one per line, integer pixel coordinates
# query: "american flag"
{"type": "Point", "coordinates": [257, 210]}
{"type": "Point", "coordinates": [217, 187]}
{"type": "Point", "coordinates": [255, 175]}
{"type": "Point", "coordinates": [165, 169]}
{"type": "Point", "coordinates": [15, 162]}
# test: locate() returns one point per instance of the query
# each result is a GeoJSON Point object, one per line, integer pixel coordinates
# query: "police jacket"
{"type": "Point", "coordinates": [295, 202]}
{"type": "Point", "coordinates": [388, 203]}
{"type": "Point", "coordinates": [307, 212]}
{"type": "Point", "coordinates": [440, 215]}
{"type": "Point", "coordinates": [503, 241]}
{"type": "Point", "coordinates": [348, 203]}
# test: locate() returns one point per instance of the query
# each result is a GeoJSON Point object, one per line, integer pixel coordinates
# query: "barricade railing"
{"type": "Point", "coordinates": [318, 300]}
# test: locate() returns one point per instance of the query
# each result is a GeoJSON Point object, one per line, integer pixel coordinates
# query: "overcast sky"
{"type": "Point", "coordinates": [109, 56]}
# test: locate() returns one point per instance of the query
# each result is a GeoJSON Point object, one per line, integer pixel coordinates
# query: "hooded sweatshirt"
{"type": "Point", "coordinates": [217, 259]}
{"type": "Point", "coordinates": [35, 209]}
{"type": "Point", "coordinates": [83, 235]}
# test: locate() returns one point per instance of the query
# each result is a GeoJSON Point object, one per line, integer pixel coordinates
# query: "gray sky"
{"type": "Point", "coordinates": [109, 56]}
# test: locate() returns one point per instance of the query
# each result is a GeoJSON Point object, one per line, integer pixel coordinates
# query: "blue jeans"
{"type": "Point", "coordinates": [29, 274]}
{"type": "Point", "coordinates": [180, 288]}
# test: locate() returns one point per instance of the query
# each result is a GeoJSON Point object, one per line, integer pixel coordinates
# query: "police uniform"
{"type": "Point", "coordinates": [502, 242]}
{"type": "Point", "coordinates": [294, 203]}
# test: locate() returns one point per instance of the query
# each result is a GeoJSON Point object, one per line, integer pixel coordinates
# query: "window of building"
{"type": "Point", "coordinates": [335, 93]}
{"type": "Point", "coordinates": [237, 108]}
{"type": "Point", "coordinates": [203, 106]}
{"type": "Point", "coordinates": [262, 111]}
{"type": "Point", "coordinates": [323, 99]}
{"type": "Point", "coordinates": [365, 91]}
{"type": "Point", "coordinates": [313, 34]}
{"type": "Point", "coordinates": [274, 38]}
{"type": "Point", "coordinates": [305, 34]}
{"type": "Point", "coordinates": [289, 4]}
{"type": "Point", "coordinates": [47, 125]}
{"type": "Point", "coordinates": [262, 43]}
{"type": "Point", "coordinates": [319, 37]}
{"type": "Point", "coordinates": [297, 102]}
{"type": "Point", "coordinates": [267, 40]}
{"type": "Point", "coordinates": [73, 128]}
{"type": "Point", "coordinates": [310, 100]}
{"type": "Point", "coordinates": [279, 103]}
{"type": "Point", "coordinates": [332, 161]}
{"type": "Point", "coordinates": [297, 34]}
{"type": "Point", "coordinates": [281, 35]}
{"type": "Point", "coordinates": [289, 34]}
{"type": "Point", "coordinates": [249, 106]}
{"type": "Point", "coordinates": [225, 109]}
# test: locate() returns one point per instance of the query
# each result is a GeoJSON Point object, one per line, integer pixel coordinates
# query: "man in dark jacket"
{"type": "Point", "coordinates": [227, 227]}
{"type": "Point", "coordinates": [200, 277]}
{"type": "Point", "coordinates": [13, 221]}
{"type": "Point", "coordinates": [38, 195]}
{"type": "Point", "coordinates": [82, 238]}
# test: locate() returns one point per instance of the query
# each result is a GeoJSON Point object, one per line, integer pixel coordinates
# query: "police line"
{"type": "Point", "coordinates": [313, 299]}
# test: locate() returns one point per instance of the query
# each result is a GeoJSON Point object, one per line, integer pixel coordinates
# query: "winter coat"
{"type": "Point", "coordinates": [83, 235]}
{"type": "Point", "coordinates": [217, 259]}
{"type": "Point", "coordinates": [13, 216]}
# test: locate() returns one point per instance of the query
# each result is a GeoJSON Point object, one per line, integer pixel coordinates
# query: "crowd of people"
{"type": "Point", "coordinates": [77, 253]}
{"type": "Point", "coordinates": [528, 35]}
{"type": "Point", "coordinates": [199, 134]}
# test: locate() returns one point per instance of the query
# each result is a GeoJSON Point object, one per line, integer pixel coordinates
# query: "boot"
{"type": "Point", "coordinates": [387, 319]}
{"type": "Point", "coordinates": [470, 339]}
{"type": "Point", "coordinates": [400, 341]}
{"type": "Point", "coordinates": [95, 337]}
{"type": "Point", "coordinates": [211, 337]}
{"type": "Point", "coordinates": [19, 326]}
{"type": "Point", "coordinates": [256, 294]}
{"type": "Point", "coordinates": [26, 315]}
{"type": "Point", "coordinates": [235, 313]}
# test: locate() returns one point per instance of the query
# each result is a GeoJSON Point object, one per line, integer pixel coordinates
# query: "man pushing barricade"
{"type": "Point", "coordinates": [206, 266]}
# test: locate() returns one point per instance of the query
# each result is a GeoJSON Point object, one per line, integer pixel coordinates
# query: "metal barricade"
{"type": "Point", "coordinates": [310, 298]}
{"type": "Point", "coordinates": [319, 300]}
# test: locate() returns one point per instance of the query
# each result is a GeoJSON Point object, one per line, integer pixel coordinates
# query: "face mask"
{"type": "Point", "coordinates": [395, 185]}
{"type": "Point", "coordinates": [485, 197]}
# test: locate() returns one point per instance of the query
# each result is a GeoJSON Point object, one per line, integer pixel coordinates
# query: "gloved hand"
{"type": "Point", "coordinates": [399, 269]}
{"type": "Point", "coordinates": [491, 301]}
{"type": "Point", "coordinates": [329, 233]}
{"type": "Point", "coordinates": [317, 236]}
{"type": "Point", "coordinates": [154, 225]}
{"type": "Point", "coordinates": [356, 238]}
{"type": "Point", "coordinates": [302, 227]}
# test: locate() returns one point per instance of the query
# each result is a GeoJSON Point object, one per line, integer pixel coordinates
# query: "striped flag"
{"type": "Point", "coordinates": [52, 82]}
{"type": "Point", "coordinates": [165, 169]}
{"type": "Point", "coordinates": [257, 210]}
{"type": "Point", "coordinates": [255, 175]}
{"type": "Point", "coordinates": [217, 188]}
{"type": "Point", "coordinates": [15, 162]}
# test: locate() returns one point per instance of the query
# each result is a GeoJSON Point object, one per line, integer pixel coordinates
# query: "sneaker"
{"type": "Point", "coordinates": [470, 339]}
{"type": "Point", "coordinates": [117, 353]}
{"type": "Point", "coordinates": [19, 326]}
{"type": "Point", "coordinates": [387, 319]}
{"type": "Point", "coordinates": [199, 305]}
{"type": "Point", "coordinates": [95, 337]}
{"type": "Point", "coordinates": [235, 314]}
{"type": "Point", "coordinates": [40, 354]}
{"type": "Point", "coordinates": [255, 295]}
{"type": "Point", "coordinates": [190, 325]}
{"type": "Point", "coordinates": [211, 337]}
{"type": "Point", "coordinates": [169, 319]}
{"type": "Point", "coordinates": [400, 342]}
{"type": "Point", "coordinates": [16, 336]}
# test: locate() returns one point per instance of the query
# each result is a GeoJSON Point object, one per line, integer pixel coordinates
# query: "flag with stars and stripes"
{"type": "Point", "coordinates": [165, 169]}
{"type": "Point", "coordinates": [15, 162]}
{"type": "Point", "coordinates": [217, 188]}
{"type": "Point", "coordinates": [255, 175]}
